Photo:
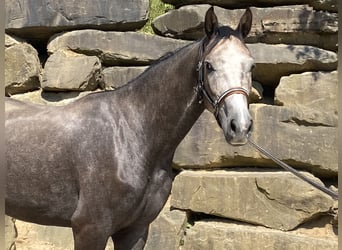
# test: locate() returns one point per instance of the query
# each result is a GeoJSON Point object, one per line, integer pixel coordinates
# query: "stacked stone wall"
{"type": "Point", "coordinates": [223, 197]}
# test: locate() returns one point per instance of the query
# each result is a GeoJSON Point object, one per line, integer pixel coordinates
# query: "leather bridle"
{"type": "Point", "coordinates": [201, 90]}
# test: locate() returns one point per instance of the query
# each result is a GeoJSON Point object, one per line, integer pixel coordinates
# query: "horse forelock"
{"type": "Point", "coordinates": [226, 32]}
{"type": "Point", "coordinates": [223, 34]}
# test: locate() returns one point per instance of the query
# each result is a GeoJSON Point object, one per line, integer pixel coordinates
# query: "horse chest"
{"type": "Point", "coordinates": [155, 195]}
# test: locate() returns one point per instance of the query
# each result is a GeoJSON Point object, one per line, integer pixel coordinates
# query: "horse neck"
{"type": "Point", "coordinates": [166, 97]}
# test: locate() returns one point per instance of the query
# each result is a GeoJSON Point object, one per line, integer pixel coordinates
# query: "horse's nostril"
{"type": "Point", "coordinates": [233, 125]}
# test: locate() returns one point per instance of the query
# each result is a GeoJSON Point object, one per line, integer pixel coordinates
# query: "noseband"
{"type": "Point", "coordinates": [201, 90]}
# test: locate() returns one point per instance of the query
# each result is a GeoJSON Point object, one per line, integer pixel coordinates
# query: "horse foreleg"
{"type": "Point", "coordinates": [133, 238]}
{"type": "Point", "coordinates": [90, 229]}
{"type": "Point", "coordinates": [89, 237]}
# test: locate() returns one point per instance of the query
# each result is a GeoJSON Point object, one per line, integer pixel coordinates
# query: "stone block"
{"type": "Point", "coordinates": [328, 5]}
{"type": "Point", "coordinates": [293, 24]}
{"type": "Point", "coordinates": [275, 61]}
{"type": "Point", "coordinates": [40, 19]}
{"type": "Point", "coordinates": [33, 236]}
{"type": "Point", "coordinates": [277, 200]}
{"type": "Point", "coordinates": [22, 67]}
{"type": "Point", "coordinates": [315, 90]}
{"type": "Point", "coordinates": [166, 231]}
{"type": "Point", "coordinates": [66, 70]}
{"type": "Point", "coordinates": [116, 48]}
{"type": "Point", "coordinates": [230, 236]}
{"type": "Point", "coordinates": [38, 237]}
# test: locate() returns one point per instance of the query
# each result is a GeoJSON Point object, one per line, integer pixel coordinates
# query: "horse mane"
{"type": "Point", "coordinates": [226, 31]}
{"type": "Point", "coordinates": [167, 55]}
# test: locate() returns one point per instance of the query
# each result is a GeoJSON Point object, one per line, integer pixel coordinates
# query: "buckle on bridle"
{"type": "Point", "coordinates": [199, 66]}
{"type": "Point", "coordinates": [199, 90]}
{"type": "Point", "coordinates": [200, 86]}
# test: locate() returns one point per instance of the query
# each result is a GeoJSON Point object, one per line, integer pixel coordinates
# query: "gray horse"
{"type": "Point", "coordinates": [102, 164]}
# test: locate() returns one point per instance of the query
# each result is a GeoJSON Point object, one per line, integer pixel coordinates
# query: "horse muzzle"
{"type": "Point", "coordinates": [237, 132]}
{"type": "Point", "coordinates": [236, 126]}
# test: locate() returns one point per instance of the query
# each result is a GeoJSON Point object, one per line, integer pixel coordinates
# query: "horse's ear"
{"type": "Point", "coordinates": [210, 23]}
{"type": "Point", "coordinates": [245, 24]}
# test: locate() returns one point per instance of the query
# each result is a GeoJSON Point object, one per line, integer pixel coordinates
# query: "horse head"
{"type": "Point", "coordinates": [225, 76]}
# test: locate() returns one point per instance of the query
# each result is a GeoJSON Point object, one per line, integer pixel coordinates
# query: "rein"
{"type": "Point", "coordinates": [320, 187]}
{"type": "Point", "coordinates": [201, 90]}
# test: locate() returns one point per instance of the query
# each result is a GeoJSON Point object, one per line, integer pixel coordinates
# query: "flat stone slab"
{"type": "Point", "coordinates": [329, 5]}
{"type": "Point", "coordinates": [38, 237]}
{"type": "Point", "coordinates": [213, 234]}
{"type": "Point", "coordinates": [295, 24]}
{"type": "Point", "coordinates": [167, 230]}
{"type": "Point", "coordinates": [69, 71]}
{"type": "Point", "coordinates": [276, 61]}
{"type": "Point", "coordinates": [116, 48]}
{"type": "Point", "coordinates": [22, 67]}
{"type": "Point", "coordinates": [276, 200]}
{"type": "Point", "coordinates": [315, 90]}
{"type": "Point", "coordinates": [40, 19]}
{"type": "Point", "coordinates": [304, 139]}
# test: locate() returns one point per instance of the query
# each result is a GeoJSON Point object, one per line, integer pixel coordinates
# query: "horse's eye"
{"type": "Point", "coordinates": [209, 66]}
{"type": "Point", "coordinates": [253, 66]}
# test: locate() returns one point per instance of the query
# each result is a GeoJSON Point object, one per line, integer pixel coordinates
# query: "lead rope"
{"type": "Point", "coordinates": [332, 193]}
